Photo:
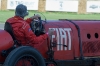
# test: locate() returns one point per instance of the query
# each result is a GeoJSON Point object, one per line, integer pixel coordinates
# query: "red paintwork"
{"type": "Point", "coordinates": [65, 29]}
{"type": "Point", "coordinates": [42, 48]}
{"type": "Point", "coordinates": [61, 55]}
{"type": "Point", "coordinates": [6, 42]}
{"type": "Point", "coordinates": [91, 47]}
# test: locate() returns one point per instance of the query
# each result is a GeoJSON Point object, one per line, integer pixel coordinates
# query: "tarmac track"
{"type": "Point", "coordinates": [1, 25]}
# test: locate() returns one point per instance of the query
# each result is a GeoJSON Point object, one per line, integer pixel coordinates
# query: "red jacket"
{"type": "Point", "coordinates": [23, 32]}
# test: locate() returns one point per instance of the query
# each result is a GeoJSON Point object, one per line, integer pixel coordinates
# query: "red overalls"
{"type": "Point", "coordinates": [23, 32]}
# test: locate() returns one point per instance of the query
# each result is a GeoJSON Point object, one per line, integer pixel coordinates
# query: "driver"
{"type": "Point", "coordinates": [21, 27]}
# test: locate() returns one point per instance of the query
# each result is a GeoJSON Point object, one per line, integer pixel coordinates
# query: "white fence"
{"type": "Point", "coordinates": [93, 6]}
{"type": "Point", "coordinates": [62, 5]}
{"type": "Point", "coordinates": [31, 4]}
{"type": "Point", "coordinates": [56, 5]}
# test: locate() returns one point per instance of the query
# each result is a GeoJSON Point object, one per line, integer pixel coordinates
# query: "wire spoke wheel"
{"type": "Point", "coordinates": [26, 60]}
{"type": "Point", "coordinates": [24, 56]}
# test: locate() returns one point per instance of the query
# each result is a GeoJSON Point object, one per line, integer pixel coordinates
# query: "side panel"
{"type": "Point", "coordinates": [63, 35]}
{"type": "Point", "coordinates": [90, 35]}
{"type": "Point", "coordinates": [91, 42]}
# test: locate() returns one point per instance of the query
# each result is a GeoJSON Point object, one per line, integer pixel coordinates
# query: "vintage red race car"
{"type": "Point", "coordinates": [74, 43]}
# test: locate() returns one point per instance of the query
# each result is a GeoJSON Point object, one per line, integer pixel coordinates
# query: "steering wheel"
{"type": "Point", "coordinates": [37, 26]}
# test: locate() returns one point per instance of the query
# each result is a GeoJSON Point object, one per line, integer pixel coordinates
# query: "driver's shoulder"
{"type": "Point", "coordinates": [24, 25]}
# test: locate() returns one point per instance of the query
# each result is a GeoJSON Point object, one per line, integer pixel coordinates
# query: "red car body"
{"type": "Point", "coordinates": [75, 39]}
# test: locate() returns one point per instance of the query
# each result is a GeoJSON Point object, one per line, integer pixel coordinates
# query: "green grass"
{"type": "Point", "coordinates": [4, 15]}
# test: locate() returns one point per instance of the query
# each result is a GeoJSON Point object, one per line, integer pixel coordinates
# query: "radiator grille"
{"type": "Point", "coordinates": [91, 47]}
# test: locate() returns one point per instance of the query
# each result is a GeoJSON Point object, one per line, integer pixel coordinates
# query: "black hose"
{"type": "Point", "coordinates": [80, 41]}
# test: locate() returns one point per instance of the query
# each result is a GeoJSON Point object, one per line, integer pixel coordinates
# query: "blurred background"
{"type": "Point", "coordinates": [54, 9]}
{"type": "Point", "coordinates": [78, 6]}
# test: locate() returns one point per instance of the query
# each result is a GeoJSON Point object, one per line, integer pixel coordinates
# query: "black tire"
{"type": "Point", "coordinates": [26, 54]}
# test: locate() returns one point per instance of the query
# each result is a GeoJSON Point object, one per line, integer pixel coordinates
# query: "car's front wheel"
{"type": "Point", "coordinates": [24, 56]}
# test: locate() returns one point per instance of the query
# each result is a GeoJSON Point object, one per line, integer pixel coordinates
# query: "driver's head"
{"type": "Point", "coordinates": [21, 10]}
